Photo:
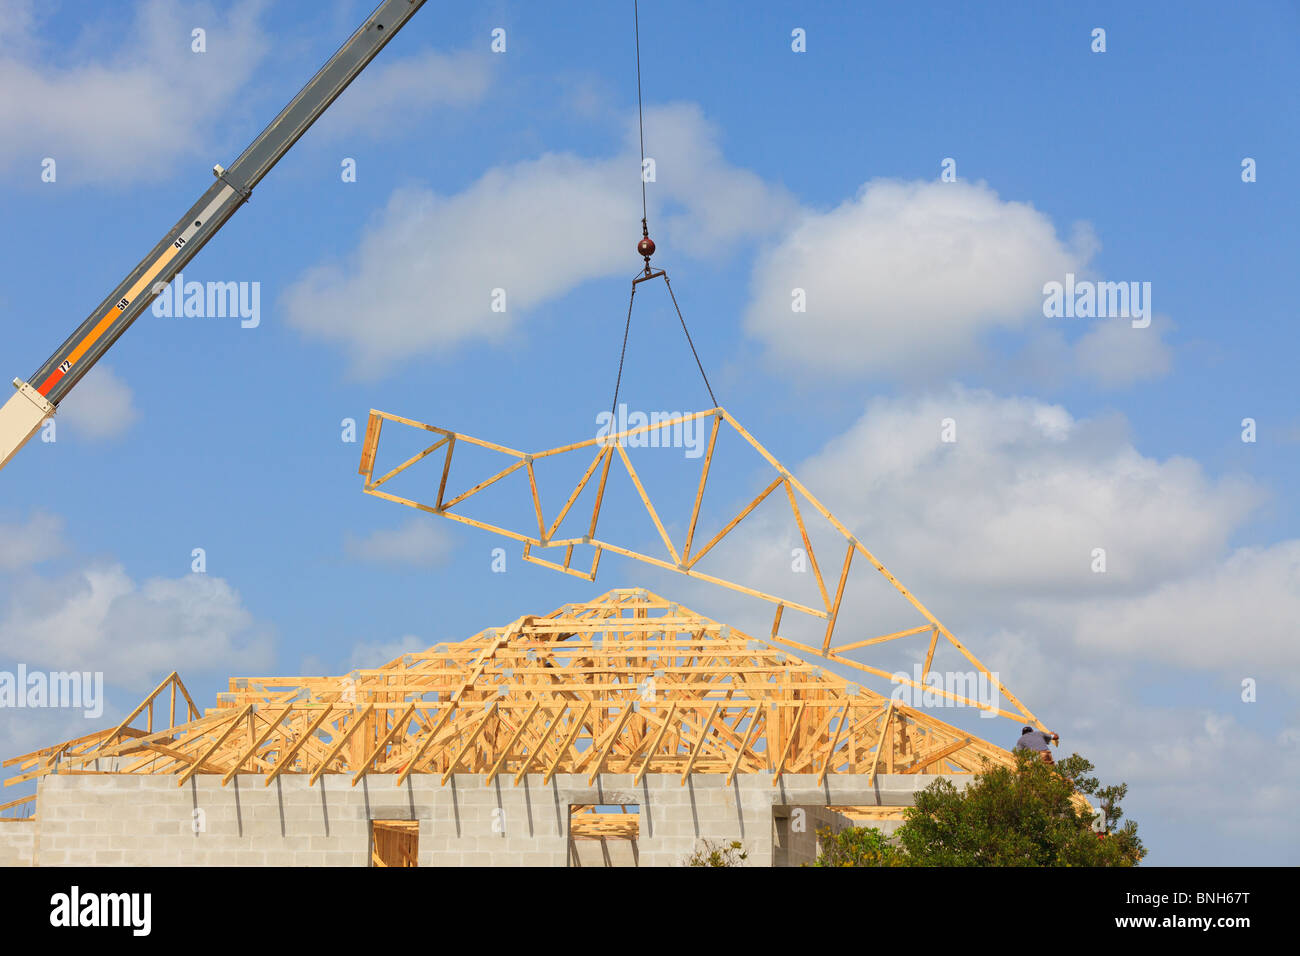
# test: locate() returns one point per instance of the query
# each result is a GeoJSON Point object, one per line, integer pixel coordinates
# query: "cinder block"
{"type": "Point", "coordinates": [149, 820]}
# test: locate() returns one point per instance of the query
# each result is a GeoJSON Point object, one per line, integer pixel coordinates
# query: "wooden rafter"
{"type": "Point", "coordinates": [628, 683]}
{"type": "Point", "coordinates": [802, 504]}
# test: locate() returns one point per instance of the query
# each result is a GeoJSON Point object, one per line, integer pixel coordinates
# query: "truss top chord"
{"type": "Point", "coordinates": [664, 690]}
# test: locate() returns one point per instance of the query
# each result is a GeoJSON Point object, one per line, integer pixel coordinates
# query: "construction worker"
{"type": "Point", "coordinates": [1038, 740]}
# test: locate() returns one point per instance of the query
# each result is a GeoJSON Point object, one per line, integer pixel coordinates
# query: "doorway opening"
{"type": "Point", "coordinates": [604, 834]}
{"type": "Point", "coordinates": [394, 842]}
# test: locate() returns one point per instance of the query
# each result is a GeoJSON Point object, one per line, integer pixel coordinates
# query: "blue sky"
{"type": "Point", "coordinates": [775, 170]}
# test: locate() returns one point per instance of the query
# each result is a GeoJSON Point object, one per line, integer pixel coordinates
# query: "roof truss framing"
{"type": "Point", "coordinates": [609, 449]}
{"type": "Point", "coordinates": [630, 683]}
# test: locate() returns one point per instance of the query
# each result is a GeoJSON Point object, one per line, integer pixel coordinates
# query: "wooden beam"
{"type": "Point", "coordinates": [785, 751]}
{"type": "Point", "coordinates": [839, 596]}
{"type": "Point", "coordinates": [654, 748]}
{"type": "Point", "coordinates": [399, 724]}
{"type": "Point", "coordinates": [369, 444]}
{"type": "Point", "coordinates": [135, 713]}
{"type": "Point", "coordinates": [879, 640]}
{"type": "Point", "coordinates": [537, 502]}
{"type": "Point", "coordinates": [605, 445]}
{"type": "Point", "coordinates": [286, 760]}
{"type": "Point", "coordinates": [418, 456]}
{"type": "Point", "coordinates": [581, 663]}
{"type": "Point", "coordinates": [568, 742]}
{"type": "Point", "coordinates": [699, 744]}
{"type": "Point", "coordinates": [734, 521]}
{"type": "Point", "coordinates": [929, 654]}
{"type": "Point", "coordinates": [540, 745]}
{"type": "Point", "coordinates": [925, 760]}
{"type": "Point", "coordinates": [489, 712]}
{"type": "Point", "coordinates": [510, 469]}
{"type": "Point", "coordinates": [357, 721]}
{"type": "Point", "coordinates": [271, 726]}
{"type": "Point", "coordinates": [577, 490]}
{"type": "Point", "coordinates": [510, 744]}
{"type": "Point", "coordinates": [609, 744]}
{"type": "Point", "coordinates": [807, 544]}
{"type": "Point", "coordinates": [645, 500]}
{"type": "Point", "coordinates": [744, 746]}
{"type": "Point", "coordinates": [884, 742]}
{"type": "Point", "coordinates": [835, 742]}
{"type": "Point", "coordinates": [699, 494]}
{"type": "Point", "coordinates": [212, 748]}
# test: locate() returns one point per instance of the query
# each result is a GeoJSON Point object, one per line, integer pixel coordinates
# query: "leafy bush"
{"type": "Point", "coordinates": [718, 854]}
{"type": "Point", "coordinates": [857, 846]}
{"type": "Point", "coordinates": [1027, 815]}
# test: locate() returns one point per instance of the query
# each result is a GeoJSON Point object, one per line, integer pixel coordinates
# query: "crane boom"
{"type": "Point", "coordinates": [38, 397]}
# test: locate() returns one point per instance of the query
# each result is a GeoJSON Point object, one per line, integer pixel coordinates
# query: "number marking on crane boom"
{"type": "Point", "coordinates": [140, 285]}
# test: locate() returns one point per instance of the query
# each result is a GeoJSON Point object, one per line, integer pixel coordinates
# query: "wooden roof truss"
{"type": "Point", "coordinates": [683, 558]}
{"type": "Point", "coordinates": [629, 683]}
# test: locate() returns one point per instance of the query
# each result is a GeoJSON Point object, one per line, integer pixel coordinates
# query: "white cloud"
{"type": "Point", "coordinates": [994, 534]}
{"type": "Point", "coordinates": [700, 202]}
{"type": "Point", "coordinates": [419, 542]}
{"type": "Point", "coordinates": [1172, 755]}
{"type": "Point", "coordinates": [1186, 774]}
{"type": "Point", "coordinates": [1015, 506]}
{"type": "Point", "coordinates": [429, 264]}
{"type": "Point", "coordinates": [138, 99]}
{"type": "Point", "coordinates": [100, 406]}
{"type": "Point", "coordinates": [17, 19]}
{"type": "Point", "coordinates": [31, 728]}
{"type": "Point", "coordinates": [37, 539]}
{"type": "Point", "coordinates": [906, 278]}
{"type": "Point", "coordinates": [913, 278]}
{"type": "Point", "coordinates": [377, 654]}
{"type": "Point", "coordinates": [1113, 353]}
{"type": "Point", "coordinates": [910, 273]}
{"type": "Point", "coordinates": [391, 95]}
{"type": "Point", "coordinates": [1240, 616]}
{"type": "Point", "coordinates": [99, 619]}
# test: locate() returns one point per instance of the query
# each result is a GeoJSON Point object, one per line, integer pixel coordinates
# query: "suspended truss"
{"type": "Point", "coordinates": [629, 683]}
{"type": "Point", "coordinates": [609, 449]}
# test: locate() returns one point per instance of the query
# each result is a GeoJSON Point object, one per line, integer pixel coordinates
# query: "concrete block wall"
{"type": "Point", "coordinates": [797, 843]}
{"type": "Point", "coordinates": [17, 841]}
{"type": "Point", "coordinates": [137, 820]}
{"type": "Point", "coordinates": [604, 853]}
